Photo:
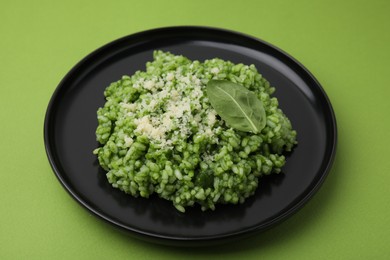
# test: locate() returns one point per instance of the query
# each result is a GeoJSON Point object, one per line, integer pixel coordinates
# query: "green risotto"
{"type": "Point", "coordinates": [163, 131]}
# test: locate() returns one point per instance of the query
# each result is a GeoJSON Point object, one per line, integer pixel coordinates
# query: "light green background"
{"type": "Point", "coordinates": [345, 44]}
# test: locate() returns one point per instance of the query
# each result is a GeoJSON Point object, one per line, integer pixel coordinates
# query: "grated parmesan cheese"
{"type": "Point", "coordinates": [149, 84]}
{"type": "Point", "coordinates": [128, 141]}
{"type": "Point", "coordinates": [215, 71]}
{"type": "Point", "coordinates": [170, 76]}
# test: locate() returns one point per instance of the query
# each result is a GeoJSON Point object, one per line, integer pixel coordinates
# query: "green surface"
{"type": "Point", "coordinates": [345, 44]}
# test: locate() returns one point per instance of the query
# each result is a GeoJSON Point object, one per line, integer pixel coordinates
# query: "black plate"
{"type": "Point", "coordinates": [71, 121]}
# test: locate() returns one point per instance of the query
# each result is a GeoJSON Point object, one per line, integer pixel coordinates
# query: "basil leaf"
{"type": "Point", "coordinates": [239, 107]}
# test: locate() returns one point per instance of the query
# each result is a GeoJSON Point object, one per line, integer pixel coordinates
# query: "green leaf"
{"type": "Point", "coordinates": [239, 107]}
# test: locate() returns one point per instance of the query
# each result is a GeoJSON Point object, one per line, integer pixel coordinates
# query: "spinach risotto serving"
{"type": "Point", "coordinates": [192, 132]}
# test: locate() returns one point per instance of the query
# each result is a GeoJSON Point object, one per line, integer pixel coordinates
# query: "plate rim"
{"type": "Point", "coordinates": [155, 237]}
